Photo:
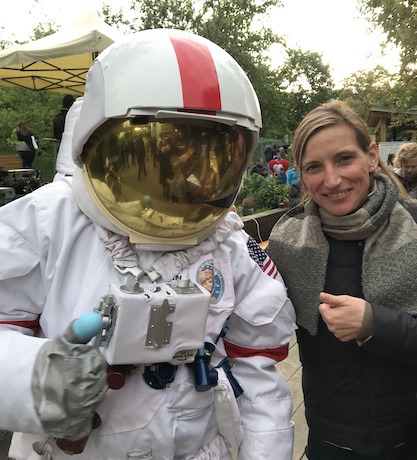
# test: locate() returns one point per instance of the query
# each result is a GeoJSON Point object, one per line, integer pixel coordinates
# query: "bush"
{"type": "Point", "coordinates": [259, 193]}
{"type": "Point", "coordinates": [45, 164]}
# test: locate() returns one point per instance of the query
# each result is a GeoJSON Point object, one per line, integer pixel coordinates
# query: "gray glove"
{"type": "Point", "coordinates": [69, 380]}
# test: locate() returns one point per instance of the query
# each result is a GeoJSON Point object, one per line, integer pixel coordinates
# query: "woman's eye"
{"type": "Point", "coordinates": [345, 159]}
{"type": "Point", "coordinates": [312, 168]}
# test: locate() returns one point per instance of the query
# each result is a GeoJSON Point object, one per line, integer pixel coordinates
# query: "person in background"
{"type": "Point", "coordinates": [276, 153]}
{"type": "Point", "coordinates": [279, 168]}
{"type": "Point", "coordinates": [28, 145]}
{"type": "Point", "coordinates": [348, 254]}
{"type": "Point", "coordinates": [390, 160]}
{"type": "Point", "coordinates": [59, 119]}
{"type": "Point", "coordinates": [258, 167]}
{"type": "Point", "coordinates": [268, 154]}
{"type": "Point", "coordinates": [292, 175]}
{"type": "Point", "coordinates": [282, 176]}
{"type": "Point", "coordinates": [264, 172]}
{"type": "Point", "coordinates": [166, 171]}
{"type": "Point", "coordinates": [282, 152]}
{"type": "Point", "coordinates": [192, 373]}
{"type": "Point", "coordinates": [405, 163]}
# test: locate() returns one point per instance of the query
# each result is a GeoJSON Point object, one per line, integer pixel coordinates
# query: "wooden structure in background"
{"type": "Point", "coordinates": [380, 118]}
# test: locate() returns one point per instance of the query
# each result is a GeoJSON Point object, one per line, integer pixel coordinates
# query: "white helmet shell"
{"type": "Point", "coordinates": [165, 69]}
{"type": "Point", "coordinates": [186, 92]}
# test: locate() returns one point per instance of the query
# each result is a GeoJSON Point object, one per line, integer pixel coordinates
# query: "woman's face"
{"type": "Point", "coordinates": [336, 170]}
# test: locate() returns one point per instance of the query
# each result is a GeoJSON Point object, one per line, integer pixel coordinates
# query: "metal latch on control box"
{"type": "Point", "coordinates": [159, 329]}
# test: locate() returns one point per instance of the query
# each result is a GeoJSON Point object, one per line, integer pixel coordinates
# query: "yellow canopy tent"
{"type": "Point", "coordinates": [58, 62]}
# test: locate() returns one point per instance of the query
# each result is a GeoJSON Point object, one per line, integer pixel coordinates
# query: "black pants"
{"type": "Point", "coordinates": [316, 451]}
{"type": "Point", "coordinates": [27, 159]}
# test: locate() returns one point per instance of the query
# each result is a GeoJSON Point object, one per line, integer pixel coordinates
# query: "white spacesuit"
{"type": "Point", "coordinates": [65, 165]}
{"type": "Point", "coordinates": [193, 316]}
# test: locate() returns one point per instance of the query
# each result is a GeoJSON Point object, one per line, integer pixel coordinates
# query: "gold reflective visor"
{"type": "Point", "coordinates": [166, 179]}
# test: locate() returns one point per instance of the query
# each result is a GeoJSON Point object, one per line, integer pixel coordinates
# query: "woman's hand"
{"type": "Point", "coordinates": [347, 317]}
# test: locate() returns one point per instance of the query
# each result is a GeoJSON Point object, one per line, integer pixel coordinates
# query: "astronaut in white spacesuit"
{"type": "Point", "coordinates": [133, 326]}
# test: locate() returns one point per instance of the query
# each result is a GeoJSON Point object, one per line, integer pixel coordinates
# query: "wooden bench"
{"type": "Point", "coordinates": [10, 162]}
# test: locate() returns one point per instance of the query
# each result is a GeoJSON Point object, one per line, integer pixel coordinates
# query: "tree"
{"type": "Point", "coordinates": [398, 19]}
{"type": "Point", "coordinates": [306, 82]}
{"type": "Point", "coordinates": [156, 14]}
{"type": "Point", "coordinates": [35, 108]}
{"type": "Point", "coordinates": [366, 89]}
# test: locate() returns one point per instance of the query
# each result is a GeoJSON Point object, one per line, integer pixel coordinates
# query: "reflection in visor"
{"type": "Point", "coordinates": [168, 179]}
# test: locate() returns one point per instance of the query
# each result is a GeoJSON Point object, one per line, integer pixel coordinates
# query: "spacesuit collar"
{"type": "Point", "coordinates": [171, 263]}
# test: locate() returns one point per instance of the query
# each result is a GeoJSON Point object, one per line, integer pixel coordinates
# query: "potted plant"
{"type": "Point", "coordinates": [260, 203]}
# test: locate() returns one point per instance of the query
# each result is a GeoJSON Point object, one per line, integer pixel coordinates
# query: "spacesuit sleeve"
{"type": "Point", "coordinates": [20, 293]}
{"type": "Point", "coordinates": [260, 329]}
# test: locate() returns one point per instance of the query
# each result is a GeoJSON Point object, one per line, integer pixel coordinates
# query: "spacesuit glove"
{"type": "Point", "coordinates": [69, 380]}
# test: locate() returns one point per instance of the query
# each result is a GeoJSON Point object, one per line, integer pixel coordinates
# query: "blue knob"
{"type": "Point", "coordinates": [87, 326]}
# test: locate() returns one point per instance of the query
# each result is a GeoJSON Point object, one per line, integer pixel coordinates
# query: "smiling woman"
{"type": "Point", "coordinates": [334, 152]}
{"type": "Point", "coordinates": [337, 175]}
{"type": "Point", "coordinates": [348, 254]}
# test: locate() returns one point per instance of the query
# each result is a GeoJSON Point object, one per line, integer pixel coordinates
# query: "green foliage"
{"type": "Point", "coordinates": [156, 14]}
{"type": "Point", "coordinates": [398, 19]}
{"type": "Point", "coordinates": [238, 26]}
{"type": "Point", "coordinates": [259, 193]}
{"type": "Point", "coordinates": [366, 89]}
{"type": "Point", "coordinates": [306, 82]}
{"type": "Point", "coordinates": [36, 109]}
{"type": "Point", "coordinates": [235, 25]}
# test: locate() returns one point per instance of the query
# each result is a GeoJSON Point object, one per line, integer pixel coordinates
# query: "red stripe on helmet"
{"type": "Point", "coordinates": [199, 79]}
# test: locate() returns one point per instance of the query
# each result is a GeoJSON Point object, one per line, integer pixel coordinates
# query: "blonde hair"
{"type": "Point", "coordinates": [334, 113]}
{"type": "Point", "coordinates": [405, 153]}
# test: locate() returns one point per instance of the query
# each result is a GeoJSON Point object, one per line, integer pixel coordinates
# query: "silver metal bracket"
{"type": "Point", "coordinates": [132, 285]}
{"type": "Point", "coordinates": [159, 329]}
{"type": "Point", "coordinates": [108, 310]}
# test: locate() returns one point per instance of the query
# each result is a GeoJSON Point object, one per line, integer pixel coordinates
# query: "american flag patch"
{"type": "Point", "coordinates": [261, 258]}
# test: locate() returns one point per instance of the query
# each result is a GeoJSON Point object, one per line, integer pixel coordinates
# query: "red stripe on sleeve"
{"type": "Point", "coordinates": [199, 79]}
{"type": "Point", "coordinates": [235, 351]}
{"type": "Point", "coordinates": [34, 324]}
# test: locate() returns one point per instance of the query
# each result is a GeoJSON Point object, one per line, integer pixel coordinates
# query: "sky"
{"type": "Point", "coordinates": [335, 29]}
{"type": "Point", "coordinates": [332, 28]}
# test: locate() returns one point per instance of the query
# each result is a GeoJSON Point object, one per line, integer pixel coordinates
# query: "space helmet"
{"type": "Point", "coordinates": [168, 126]}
